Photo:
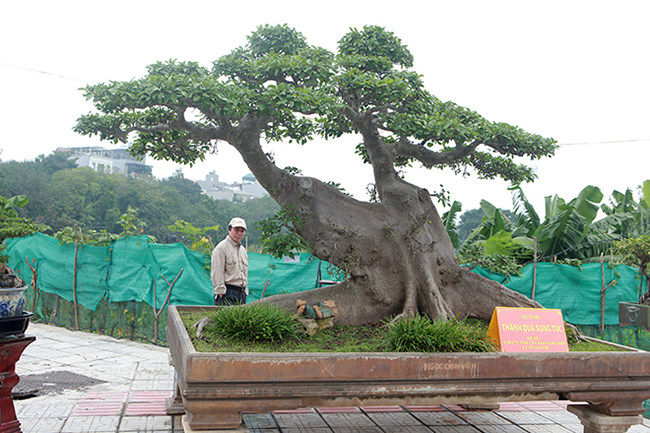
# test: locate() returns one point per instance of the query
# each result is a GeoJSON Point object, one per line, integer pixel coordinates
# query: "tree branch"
{"type": "Point", "coordinates": [429, 158]}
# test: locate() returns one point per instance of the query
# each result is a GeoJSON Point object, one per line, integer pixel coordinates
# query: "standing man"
{"type": "Point", "coordinates": [229, 272]}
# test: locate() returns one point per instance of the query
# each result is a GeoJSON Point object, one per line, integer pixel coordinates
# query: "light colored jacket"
{"type": "Point", "coordinates": [229, 266]}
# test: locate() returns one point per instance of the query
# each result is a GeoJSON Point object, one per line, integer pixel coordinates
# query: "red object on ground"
{"type": "Point", "coordinates": [10, 351]}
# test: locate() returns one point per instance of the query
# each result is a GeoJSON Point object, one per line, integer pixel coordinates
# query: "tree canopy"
{"type": "Point", "coordinates": [281, 87]}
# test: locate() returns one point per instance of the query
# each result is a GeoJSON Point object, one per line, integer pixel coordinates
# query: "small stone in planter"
{"type": "Point", "coordinates": [312, 326]}
{"type": "Point", "coordinates": [323, 310]}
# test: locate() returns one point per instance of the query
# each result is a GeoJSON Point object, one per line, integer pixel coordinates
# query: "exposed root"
{"type": "Point", "coordinates": [403, 315]}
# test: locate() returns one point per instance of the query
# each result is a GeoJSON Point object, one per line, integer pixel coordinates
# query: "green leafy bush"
{"type": "Point", "coordinates": [254, 322]}
{"type": "Point", "coordinates": [420, 334]}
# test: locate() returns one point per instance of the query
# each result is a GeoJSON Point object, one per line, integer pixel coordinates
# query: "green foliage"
{"type": "Point", "coordinates": [636, 252]}
{"type": "Point", "coordinates": [373, 45]}
{"type": "Point", "coordinates": [196, 237]}
{"type": "Point", "coordinates": [420, 334]}
{"type": "Point", "coordinates": [95, 201]}
{"type": "Point", "coordinates": [12, 225]}
{"type": "Point", "coordinates": [566, 234]}
{"type": "Point", "coordinates": [468, 221]}
{"type": "Point", "coordinates": [504, 264]}
{"type": "Point", "coordinates": [279, 236]}
{"type": "Point", "coordinates": [449, 220]}
{"type": "Point", "coordinates": [593, 346]}
{"type": "Point", "coordinates": [131, 224]}
{"type": "Point", "coordinates": [567, 224]}
{"type": "Point", "coordinates": [254, 322]}
{"type": "Point", "coordinates": [289, 90]}
{"type": "Point", "coordinates": [56, 161]}
{"type": "Point", "coordinates": [71, 235]}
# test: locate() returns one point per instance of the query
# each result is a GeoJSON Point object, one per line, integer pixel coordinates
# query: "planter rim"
{"type": "Point", "coordinates": [214, 388]}
{"type": "Point", "coordinates": [13, 289]}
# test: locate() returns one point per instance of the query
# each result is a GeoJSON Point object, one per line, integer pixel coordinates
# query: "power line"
{"type": "Point", "coordinates": [4, 65]}
{"type": "Point", "coordinates": [603, 142]}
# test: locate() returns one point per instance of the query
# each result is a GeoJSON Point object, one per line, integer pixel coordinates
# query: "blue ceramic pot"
{"type": "Point", "coordinates": [12, 301]}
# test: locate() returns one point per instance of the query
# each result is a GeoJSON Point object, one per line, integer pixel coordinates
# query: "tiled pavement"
{"type": "Point", "coordinates": [94, 383]}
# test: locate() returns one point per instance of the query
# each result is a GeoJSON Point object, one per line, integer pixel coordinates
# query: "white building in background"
{"type": "Point", "coordinates": [248, 189]}
{"type": "Point", "coordinates": [108, 160]}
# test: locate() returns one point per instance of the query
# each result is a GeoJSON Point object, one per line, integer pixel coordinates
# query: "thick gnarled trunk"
{"type": "Point", "coordinates": [397, 254]}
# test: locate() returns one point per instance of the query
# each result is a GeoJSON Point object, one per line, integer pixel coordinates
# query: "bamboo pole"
{"type": "Point", "coordinates": [602, 294]}
{"type": "Point", "coordinates": [34, 283]}
{"type": "Point", "coordinates": [74, 278]}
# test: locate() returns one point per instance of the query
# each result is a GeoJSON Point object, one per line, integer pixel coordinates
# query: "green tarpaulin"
{"type": "Point", "coordinates": [130, 267]}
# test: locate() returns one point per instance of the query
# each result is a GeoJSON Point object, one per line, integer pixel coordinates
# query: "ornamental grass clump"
{"type": "Point", "coordinates": [420, 334]}
{"type": "Point", "coordinates": [254, 323]}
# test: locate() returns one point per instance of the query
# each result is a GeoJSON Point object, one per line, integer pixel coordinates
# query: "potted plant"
{"type": "Point", "coordinates": [12, 287]}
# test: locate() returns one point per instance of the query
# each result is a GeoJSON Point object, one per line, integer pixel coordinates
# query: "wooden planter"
{"type": "Point", "coordinates": [215, 388]}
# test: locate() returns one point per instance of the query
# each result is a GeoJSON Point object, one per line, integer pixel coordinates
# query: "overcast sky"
{"type": "Point", "coordinates": [577, 71]}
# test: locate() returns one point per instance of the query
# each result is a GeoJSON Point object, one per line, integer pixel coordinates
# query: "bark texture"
{"type": "Point", "coordinates": [397, 253]}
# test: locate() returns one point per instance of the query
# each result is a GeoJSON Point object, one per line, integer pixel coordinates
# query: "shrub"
{"type": "Point", "coordinates": [254, 322]}
{"type": "Point", "coordinates": [419, 334]}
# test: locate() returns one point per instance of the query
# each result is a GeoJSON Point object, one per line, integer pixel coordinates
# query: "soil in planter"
{"type": "Point", "coordinates": [348, 338]}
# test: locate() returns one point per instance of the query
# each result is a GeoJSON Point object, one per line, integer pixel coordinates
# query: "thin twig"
{"type": "Point", "coordinates": [157, 312]}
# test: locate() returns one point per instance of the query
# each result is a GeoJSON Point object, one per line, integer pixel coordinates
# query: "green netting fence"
{"type": "Point", "coordinates": [116, 285]}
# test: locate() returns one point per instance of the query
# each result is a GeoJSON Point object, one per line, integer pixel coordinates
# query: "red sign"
{"type": "Point", "coordinates": [528, 330]}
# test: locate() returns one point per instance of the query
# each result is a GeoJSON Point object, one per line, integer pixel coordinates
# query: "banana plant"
{"type": "Point", "coordinates": [449, 220]}
{"type": "Point", "coordinates": [566, 225]}
{"type": "Point", "coordinates": [527, 220]}
{"type": "Point", "coordinates": [493, 222]}
{"type": "Point", "coordinates": [559, 236]}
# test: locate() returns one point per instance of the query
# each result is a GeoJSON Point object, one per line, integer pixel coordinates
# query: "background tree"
{"type": "Point", "coordinates": [65, 197]}
{"type": "Point", "coordinates": [471, 219]}
{"type": "Point", "coordinates": [277, 87]}
{"type": "Point", "coordinates": [636, 252]}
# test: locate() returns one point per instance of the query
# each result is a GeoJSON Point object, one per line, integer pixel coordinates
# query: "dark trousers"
{"type": "Point", "coordinates": [234, 295]}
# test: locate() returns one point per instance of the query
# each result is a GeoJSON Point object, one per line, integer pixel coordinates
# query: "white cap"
{"type": "Point", "coordinates": [237, 222]}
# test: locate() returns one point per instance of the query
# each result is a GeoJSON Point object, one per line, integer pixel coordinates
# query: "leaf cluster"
{"type": "Point", "coordinates": [71, 235]}
{"type": "Point", "coordinates": [279, 233]}
{"type": "Point", "coordinates": [635, 252]}
{"type": "Point", "coordinates": [95, 201]}
{"type": "Point", "coordinates": [197, 237]}
{"type": "Point", "coordinates": [12, 225]}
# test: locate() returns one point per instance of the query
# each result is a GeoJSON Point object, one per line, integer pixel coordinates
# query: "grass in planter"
{"type": "Point", "coordinates": [257, 328]}
{"type": "Point", "coordinates": [421, 334]}
{"type": "Point", "coordinates": [254, 323]}
{"type": "Point", "coordinates": [267, 328]}
{"type": "Point", "coordinates": [415, 334]}
{"type": "Point", "coordinates": [594, 346]}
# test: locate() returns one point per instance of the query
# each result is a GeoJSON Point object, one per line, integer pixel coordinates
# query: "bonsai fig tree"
{"type": "Point", "coordinates": [395, 248]}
